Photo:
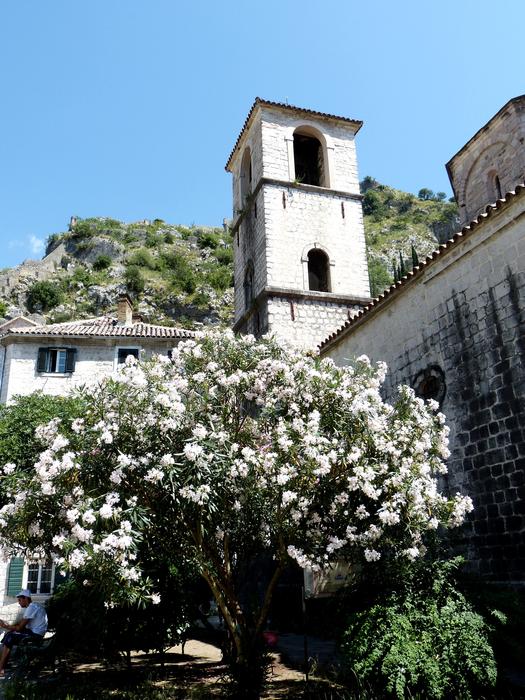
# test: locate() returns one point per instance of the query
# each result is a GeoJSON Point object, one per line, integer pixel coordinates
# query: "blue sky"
{"type": "Point", "coordinates": [129, 108]}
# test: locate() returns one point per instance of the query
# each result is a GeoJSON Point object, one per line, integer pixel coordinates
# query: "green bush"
{"type": "Point", "coordinates": [421, 639]}
{"type": "Point", "coordinates": [19, 419]}
{"type": "Point", "coordinates": [81, 274]}
{"type": "Point", "coordinates": [224, 255]}
{"type": "Point", "coordinates": [169, 238]}
{"type": "Point", "coordinates": [3, 308]}
{"type": "Point", "coordinates": [201, 299]}
{"type": "Point", "coordinates": [143, 258]}
{"type": "Point", "coordinates": [43, 295]}
{"type": "Point", "coordinates": [207, 239]}
{"type": "Point", "coordinates": [380, 277]}
{"type": "Point", "coordinates": [374, 204]}
{"type": "Point", "coordinates": [134, 280]}
{"type": "Point", "coordinates": [102, 263]}
{"type": "Point", "coordinates": [183, 277]}
{"type": "Point", "coordinates": [152, 240]}
{"type": "Point", "coordinates": [220, 279]}
{"type": "Point", "coordinates": [83, 229]}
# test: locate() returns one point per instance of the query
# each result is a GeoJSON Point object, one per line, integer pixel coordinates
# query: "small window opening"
{"type": "Point", "coordinates": [497, 187]}
{"type": "Point", "coordinates": [248, 286]}
{"type": "Point", "coordinates": [246, 175]}
{"type": "Point", "coordinates": [308, 156]}
{"type": "Point", "coordinates": [318, 271]}
{"type": "Point", "coordinates": [124, 352]}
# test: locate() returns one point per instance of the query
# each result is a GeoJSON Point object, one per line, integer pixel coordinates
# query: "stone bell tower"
{"type": "Point", "coordinates": [299, 244]}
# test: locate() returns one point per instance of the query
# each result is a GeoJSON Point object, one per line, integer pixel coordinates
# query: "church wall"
{"type": "Point", "coordinates": [465, 314]}
{"type": "Point", "coordinates": [496, 150]}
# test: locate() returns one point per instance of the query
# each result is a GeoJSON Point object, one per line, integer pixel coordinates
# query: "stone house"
{"type": "Point", "coordinates": [454, 328]}
{"type": "Point", "coordinates": [55, 359]}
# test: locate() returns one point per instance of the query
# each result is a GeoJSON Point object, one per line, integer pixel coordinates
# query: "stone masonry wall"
{"type": "Point", "coordinates": [304, 323]}
{"type": "Point", "coordinates": [496, 150]}
{"type": "Point", "coordinates": [465, 316]}
{"type": "Point", "coordinates": [297, 220]}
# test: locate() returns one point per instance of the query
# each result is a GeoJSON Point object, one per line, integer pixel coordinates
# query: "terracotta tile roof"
{"type": "Point", "coordinates": [259, 101]}
{"type": "Point", "coordinates": [102, 327]}
{"type": "Point", "coordinates": [420, 269]}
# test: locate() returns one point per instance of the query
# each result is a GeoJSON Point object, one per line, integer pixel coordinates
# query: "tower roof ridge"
{"type": "Point", "coordinates": [261, 102]}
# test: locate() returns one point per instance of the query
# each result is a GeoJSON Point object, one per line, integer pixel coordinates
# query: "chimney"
{"type": "Point", "coordinates": [124, 310]}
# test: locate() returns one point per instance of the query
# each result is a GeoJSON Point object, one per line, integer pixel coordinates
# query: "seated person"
{"type": "Point", "coordinates": [32, 624]}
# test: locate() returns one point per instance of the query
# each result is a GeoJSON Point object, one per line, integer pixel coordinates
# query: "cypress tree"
{"type": "Point", "coordinates": [415, 259]}
{"type": "Point", "coordinates": [402, 268]}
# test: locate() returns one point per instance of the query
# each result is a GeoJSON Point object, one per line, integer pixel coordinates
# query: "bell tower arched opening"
{"type": "Point", "coordinates": [309, 157]}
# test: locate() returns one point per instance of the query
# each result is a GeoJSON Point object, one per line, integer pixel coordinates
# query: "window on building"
{"type": "Point", "coordinates": [318, 271]}
{"type": "Point", "coordinates": [122, 353]}
{"type": "Point", "coordinates": [248, 285]}
{"type": "Point", "coordinates": [308, 157]}
{"type": "Point", "coordinates": [40, 577]}
{"type": "Point", "coordinates": [56, 360]}
{"type": "Point", "coordinates": [497, 187]}
{"type": "Point", "coordinates": [430, 383]}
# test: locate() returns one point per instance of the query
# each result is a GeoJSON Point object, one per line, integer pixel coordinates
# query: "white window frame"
{"type": "Point", "coordinates": [41, 565]}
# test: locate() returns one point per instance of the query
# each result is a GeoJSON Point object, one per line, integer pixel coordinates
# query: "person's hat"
{"type": "Point", "coordinates": [24, 593]}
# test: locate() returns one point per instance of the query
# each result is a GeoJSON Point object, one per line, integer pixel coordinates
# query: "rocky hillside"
{"type": "Point", "coordinates": [173, 273]}
{"type": "Point", "coordinates": [182, 275]}
{"type": "Point", "coordinates": [402, 228]}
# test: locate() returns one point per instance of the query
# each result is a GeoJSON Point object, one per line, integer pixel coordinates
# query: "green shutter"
{"type": "Point", "coordinates": [41, 360]}
{"type": "Point", "coordinates": [70, 359]}
{"type": "Point", "coordinates": [14, 579]}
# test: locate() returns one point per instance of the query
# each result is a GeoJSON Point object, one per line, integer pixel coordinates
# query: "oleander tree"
{"type": "Point", "coordinates": [233, 451]}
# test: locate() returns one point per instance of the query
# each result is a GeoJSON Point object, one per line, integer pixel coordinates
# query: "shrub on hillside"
{"type": "Point", "coordinates": [102, 263]}
{"type": "Point", "coordinates": [220, 279]}
{"type": "Point", "coordinates": [3, 308]}
{"type": "Point", "coordinates": [43, 296]}
{"type": "Point", "coordinates": [224, 255]}
{"type": "Point", "coordinates": [208, 239]}
{"type": "Point", "coordinates": [143, 258]}
{"type": "Point", "coordinates": [183, 277]}
{"type": "Point", "coordinates": [134, 280]}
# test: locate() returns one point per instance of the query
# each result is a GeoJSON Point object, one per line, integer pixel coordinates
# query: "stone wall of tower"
{"type": "Point", "coordinates": [496, 150]}
{"type": "Point", "coordinates": [305, 323]}
{"type": "Point", "coordinates": [299, 218]}
{"type": "Point", "coordinates": [463, 318]}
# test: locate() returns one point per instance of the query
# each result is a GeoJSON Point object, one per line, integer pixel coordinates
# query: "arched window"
{"type": "Point", "coordinates": [494, 190]}
{"type": "Point", "coordinates": [248, 285]}
{"type": "Point", "coordinates": [246, 174]}
{"type": "Point", "coordinates": [309, 158]}
{"type": "Point", "coordinates": [497, 187]}
{"type": "Point", "coordinates": [318, 271]}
